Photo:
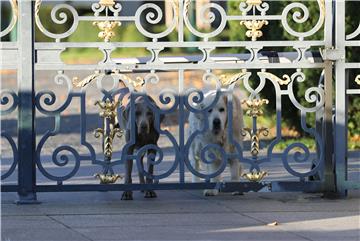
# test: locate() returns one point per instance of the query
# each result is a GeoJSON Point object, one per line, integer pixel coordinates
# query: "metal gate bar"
{"type": "Point", "coordinates": [335, 151]}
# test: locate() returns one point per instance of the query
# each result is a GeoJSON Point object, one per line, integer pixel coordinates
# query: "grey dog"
{"type": "Point", "coordinates": [145, 134]}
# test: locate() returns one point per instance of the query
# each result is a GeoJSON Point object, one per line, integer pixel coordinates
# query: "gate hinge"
{"type": "Point", "coordinates": [332, 54]}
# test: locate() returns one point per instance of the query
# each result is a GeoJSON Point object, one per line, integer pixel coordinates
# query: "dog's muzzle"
{"type": "Point", "coordinates": [216, 126]}
{"type": "Point", "coordinates": [144, 128]}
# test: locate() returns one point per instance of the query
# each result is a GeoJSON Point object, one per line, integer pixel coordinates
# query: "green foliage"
{"type": "Point", "coordinates": [308, 142]}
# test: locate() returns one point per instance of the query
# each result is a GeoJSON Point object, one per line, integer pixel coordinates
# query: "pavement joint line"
{"type": "Point", "coordinates": [152, 225]}
{"type": "Point", "coordinates": [127, 213]}
{"type": "Point", "coordinates": [98, 214]}
{"type": "Point", "coordinates": [68, 227]}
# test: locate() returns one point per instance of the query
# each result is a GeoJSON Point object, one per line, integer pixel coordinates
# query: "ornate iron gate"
{"type": "Point", "coordinates": [29, 58]}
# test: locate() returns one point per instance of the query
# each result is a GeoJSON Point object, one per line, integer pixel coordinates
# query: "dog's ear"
{"type": "Point", "coordinates": [225, 99]}
{"type": "Point", "coordinates": [126, 116]}
{"type": "Point", "coordinates": [226, 107]}
{"type": "Point", "coordinates": [125, 110]}
{"type": "Point", "coordinates": [162, 117]}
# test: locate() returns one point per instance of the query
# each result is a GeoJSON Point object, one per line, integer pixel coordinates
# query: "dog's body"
{"type": "Point", "coordinates": [217, 133]}
{"type": "Point", "coordinates": [145, 134]}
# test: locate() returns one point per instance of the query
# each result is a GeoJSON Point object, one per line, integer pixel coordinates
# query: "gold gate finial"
{"type": "Point", "coordinates": [107, 3]}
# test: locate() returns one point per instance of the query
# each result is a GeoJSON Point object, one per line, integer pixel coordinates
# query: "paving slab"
{"type": "Point", "coordinates": [315, 225]}
{"type": "Point", "coordinates": [181, 215]}
{"type": "Point", "coordinates": [190, 232]}
{"type": "Point", "coordinates": [156, 220]}
{"type": "Point", "coordinates": [38, 233]}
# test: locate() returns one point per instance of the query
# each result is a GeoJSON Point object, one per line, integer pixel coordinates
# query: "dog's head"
{"type": "Point", "coordinates": [144, 115]}
{"type": "Point", "coordinates": [217, 116]}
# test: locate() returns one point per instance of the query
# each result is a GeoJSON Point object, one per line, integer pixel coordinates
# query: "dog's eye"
{"type": "Point", "coordinates": [222, 109]}
{"type": "Point", "coordinates": [210, 110]}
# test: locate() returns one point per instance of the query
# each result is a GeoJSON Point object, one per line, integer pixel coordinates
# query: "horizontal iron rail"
{"type": "Point", "coordinates": [275, 186]}
{"type": "Point", "coordinates": [187, 44]}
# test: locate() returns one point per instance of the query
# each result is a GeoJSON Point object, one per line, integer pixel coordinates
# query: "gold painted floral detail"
{"type": "Point", "coordinates": [254, 28]}
{"type": "Point", "coordinates": [253, 2]}
{"type": "Point", "coordinates": [106, 29]}
{"type": "Point", "coordinates": [108, 111]}
{"type": "Point", "coordinates": [107, 3]}
{"type": "Point", "coordinates": [255, 110]}
{"type": "Point", "coordinates": [255, 138]}
{"type": "Point", "coordinates": [255, 176]}
{"type": "Point", "coordinates": [108, 178]}
{"type": "Point", "coordinates": [284, 81]}
{"type": "Point", "coordinates": [226, 81]}
{"type": "Point", "coordinates": [254, 106]}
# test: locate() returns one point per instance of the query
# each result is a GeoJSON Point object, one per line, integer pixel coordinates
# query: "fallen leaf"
{"type": "Point", "coordinates": [273, 224]}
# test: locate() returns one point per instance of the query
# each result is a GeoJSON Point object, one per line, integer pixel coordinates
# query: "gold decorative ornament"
{"type": "Point", "coordinates": [255, 176]}
{"type": "Point", "coordinates": [254, 106]}
{"type": "Point", "coordinates": [108, 107]}
{"type": "Point", "coordinates": [254, 111]}
{"type": "Point", "coordinates": [253, 2]}
{"type": "Point", "coordinates": [106, 28]}
{"type": "Point", "coordinates": [107, 3]}
{"type": "Point", "coordinates": [138, 82]}
{"type": "Point", "coordinates": [228, 81]}
{"type": "Point", "coordinates": [254, 27]}
{"type": "Point", "coordinates": [284, 81]}
{"type": "Point", "coordinates": [357, 79]}
{"type": "Point", "coordinates": [255, 138]}
{"type": "Point", "coordinates": [108, 178]}
{"type": "Point", "coordinates": [108, 113]}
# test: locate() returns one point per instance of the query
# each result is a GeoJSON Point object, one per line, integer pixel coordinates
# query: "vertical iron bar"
{"type": "Point", "coordinates": [26, 114]}
{"type": "Point", "coordinates": [329, 175]}
{"type": "Point", "coordinates": [181, 127]}
{"type": "Point", "coordinates": [341, 104]}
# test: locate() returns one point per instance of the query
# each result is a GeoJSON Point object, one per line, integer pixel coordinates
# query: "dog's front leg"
{"type": "Point", "coordinates": [235, 170]}
{"type": "Point", "coordinates": [152, 156]}
{"type": "Point", "coordinates": [213, 167]}
{"type": "Point", "coordinates": [128, 195]}
{"type": "Point", "coordinates": [195, 162]}
{"type": "Point", "coordinates": [141, 171]}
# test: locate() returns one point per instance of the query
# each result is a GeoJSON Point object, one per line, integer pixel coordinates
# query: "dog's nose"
{"type": "Point", "coordinates": [143, 126]}
{"type": "Point", "coordinates": [216, 123]}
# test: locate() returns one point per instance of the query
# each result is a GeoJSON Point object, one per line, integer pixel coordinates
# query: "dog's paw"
{"type": "Point", "coordinates": [150, 194]}
{"type": "Point", "coordinates": [211, 192]}
{"type": "Point", "coordinates": [127, 195]}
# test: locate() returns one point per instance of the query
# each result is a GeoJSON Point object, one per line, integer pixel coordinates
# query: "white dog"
{"type": "Point", "coordinates": [216, 134]}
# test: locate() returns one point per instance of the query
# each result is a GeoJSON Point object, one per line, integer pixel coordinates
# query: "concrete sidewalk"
{"type": "Point", "coordinates": [181, 215]}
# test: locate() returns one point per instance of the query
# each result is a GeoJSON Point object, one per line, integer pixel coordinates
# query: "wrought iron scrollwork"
{"type": "Point", "coordinates": [14, 18]}
{"type": "Point", "coordinates": [9, 102]}
{"type": "Point", "coordinates": [107, 17]}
